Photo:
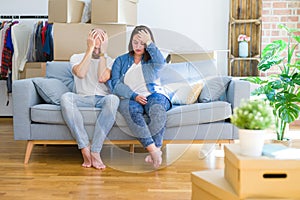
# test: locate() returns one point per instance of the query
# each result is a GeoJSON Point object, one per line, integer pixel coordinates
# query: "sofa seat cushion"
{"type": "Point", "coordinates": [198, 113]}
{"type": "Point", "coordinates": [192, 114]}
{"type": "Point", "coordinates": [51, 114]}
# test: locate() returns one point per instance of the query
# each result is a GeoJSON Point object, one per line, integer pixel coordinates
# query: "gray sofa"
{"type": "Point", "coordinates": [40, 122]}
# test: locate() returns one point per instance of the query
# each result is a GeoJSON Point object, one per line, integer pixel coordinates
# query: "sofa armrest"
{"type": "Point", "coordinates": [24, 95]}
{"type": "Point", "coordinates": [237, 91]}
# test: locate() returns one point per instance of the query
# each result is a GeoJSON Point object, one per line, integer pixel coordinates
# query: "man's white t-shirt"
{"type": "Point", "coordinates": [90, 85]}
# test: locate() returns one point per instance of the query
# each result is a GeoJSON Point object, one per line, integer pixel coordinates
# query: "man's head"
{"type": "Point", "coordinates": [99, 36]}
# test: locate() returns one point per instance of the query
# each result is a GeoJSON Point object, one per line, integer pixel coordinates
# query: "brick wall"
{"type": "Point", "coordinates": [273, 13]}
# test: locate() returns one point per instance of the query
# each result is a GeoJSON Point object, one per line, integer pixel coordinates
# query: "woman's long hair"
{"type": "Point", "coordinates": [136, 31]}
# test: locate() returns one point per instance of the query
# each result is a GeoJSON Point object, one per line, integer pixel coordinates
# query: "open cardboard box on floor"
{"type": "Point", "coordinates": [211, 185]}
{"type": "Point", "coordinates": [261, 176]}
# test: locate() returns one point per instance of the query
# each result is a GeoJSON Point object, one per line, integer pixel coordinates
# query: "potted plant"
{"type": "Point", "coordinates": [252, 118]}
{"type": "Point", "coordinates": [282, 89]}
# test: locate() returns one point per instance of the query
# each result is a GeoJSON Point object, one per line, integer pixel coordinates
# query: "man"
{"type": "Point", "coordinates": [91, 70]}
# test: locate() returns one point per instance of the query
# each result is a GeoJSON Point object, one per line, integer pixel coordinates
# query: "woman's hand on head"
{"type": "Point", "coordinates": [144, 36]}
{"type": "Point", "coordinates": [141, 99]}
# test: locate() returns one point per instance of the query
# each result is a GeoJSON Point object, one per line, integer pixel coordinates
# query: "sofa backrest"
{"type": "Point", "coordinates": [61, 70]}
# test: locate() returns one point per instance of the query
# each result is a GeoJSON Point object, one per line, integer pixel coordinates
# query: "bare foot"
{"type": "Point", "coordinates": [96, 161]}
{"type": "Point", "coordinates": [156, 157]}
{"type": "Point", "coordinates": [148, 159]}
{"type": "Point", "coordinates": [86, 154]}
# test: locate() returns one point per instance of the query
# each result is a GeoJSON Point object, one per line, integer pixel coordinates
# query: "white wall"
{"type": "Point", "coordinates": [204, 22]}
{"type": "Point", "coordinates": [24, 7]}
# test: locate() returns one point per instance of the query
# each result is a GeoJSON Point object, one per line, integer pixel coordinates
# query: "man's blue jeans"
{"type": "Point", "coordinates": [74, 120]}
{"type": "Point", "coordinates": [156, 107]}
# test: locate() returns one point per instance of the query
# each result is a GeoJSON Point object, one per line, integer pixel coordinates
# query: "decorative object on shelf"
{"type": "Point", "coordinates": [252, 117]}
{"type": "Point", "coordinates": [243, 45]}
{"type": "Point", "coordinates": [282, 89]}
{"type": "Point", "coordinates": [245, 18]}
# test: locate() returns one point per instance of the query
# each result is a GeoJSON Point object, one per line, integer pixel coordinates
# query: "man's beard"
{"type": "Point", "coordinates": [95, 56]}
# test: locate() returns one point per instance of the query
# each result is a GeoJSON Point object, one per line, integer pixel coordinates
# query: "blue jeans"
{"type": "Point", "coordinates": [156, 107]}
{"type": "Point", "coordinates": [74, 120]}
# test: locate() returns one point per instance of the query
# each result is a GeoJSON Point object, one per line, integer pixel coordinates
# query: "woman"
{"type": "Point", "coordinates": [135, 79]}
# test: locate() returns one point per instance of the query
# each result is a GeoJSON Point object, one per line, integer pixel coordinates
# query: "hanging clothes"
{"type": "Point", "coordinates": [31, 51]}
{"type": "Point", "coordinates": [6, 64]}
{"type": "Point", "coordinates": [20, 34]}
{"type": "Point", "coordinates": [48, 46]}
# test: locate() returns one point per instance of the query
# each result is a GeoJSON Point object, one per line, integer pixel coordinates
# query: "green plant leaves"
{"type": "Point", "coordinates": [282, 89]}
{"type": "Point", "coordinates": [271, 55]}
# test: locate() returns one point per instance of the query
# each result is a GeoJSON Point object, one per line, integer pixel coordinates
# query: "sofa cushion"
{"type": "Point", "coordinates": [214, 88]}
{"type": "Point", "coordinates": [50, 89]}
{"type": "Point", "coordinates": [51, 114]}
{"type": "Point", "coordinates": [184, 115]}
{"type": "Point", "coordinates": [198, 113]}
{"type": "Point", "coordinates": [61, 70]}
{"type": "Point", "coordinates": [184, 92]}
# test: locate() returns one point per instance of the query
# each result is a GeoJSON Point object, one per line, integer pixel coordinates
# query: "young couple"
{"type": "Point", "coordinates": [138, 96]}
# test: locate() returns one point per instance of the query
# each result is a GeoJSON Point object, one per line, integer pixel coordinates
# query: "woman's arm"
{"type": "Point", "coordinates": [118, 87]}
{"type": "Point", "coordinates": [156, 56]}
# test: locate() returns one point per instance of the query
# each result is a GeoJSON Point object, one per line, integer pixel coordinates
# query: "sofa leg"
{"type": "Point", "coordinates": [30, 145]}
{"type": "Point", "coordinates": [131, 148]}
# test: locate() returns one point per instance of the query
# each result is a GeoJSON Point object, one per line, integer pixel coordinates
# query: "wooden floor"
{"type": "Point", "coordinates": [55, 172]}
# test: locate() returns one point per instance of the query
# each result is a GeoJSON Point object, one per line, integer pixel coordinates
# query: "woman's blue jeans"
{"type": "Point", "coordinates": [74, 120]}
{"type": "Point", "coordinates": [156, 108]}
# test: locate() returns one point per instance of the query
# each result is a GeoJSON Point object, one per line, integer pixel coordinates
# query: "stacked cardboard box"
{"type": "Point", "coordinates": [248, 178]}
{"type": "Point", "coordinates": [116, 17]}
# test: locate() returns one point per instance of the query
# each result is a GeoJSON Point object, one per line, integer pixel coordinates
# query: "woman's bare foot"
{"type": "Point", "coordinates": [148, 159]}
{"type": "Point", "coordinates": [156, 157]}
{"type": "Point", "coordinates": [96, 161]}
{"type": "Point", "coordinates": [86, 154]}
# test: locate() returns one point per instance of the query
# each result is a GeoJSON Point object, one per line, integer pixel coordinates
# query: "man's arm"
{"type": "Point", "coordinates": [82, 68]}
{"type": "Point", "coordinates": [104, 72]}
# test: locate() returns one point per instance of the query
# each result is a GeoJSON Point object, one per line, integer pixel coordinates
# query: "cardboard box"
{"type": "Point", "coordinates": [114, 11]}
{"type": "Point", "coordinates": [33, 69]}
{"type": "Point", "coordinates": [261, 176]}
{"type": "Point", "coordinates": [65, 11]}
{"type": "Point", "coordinates": [178, 57]}
{"type": "Point", "coordinates": [71, 38]}
{"type": "Point", "coordinates": [211, 185]}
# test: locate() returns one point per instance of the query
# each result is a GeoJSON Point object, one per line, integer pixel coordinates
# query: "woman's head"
{"type": "Point", "coordinates": [136, 46]}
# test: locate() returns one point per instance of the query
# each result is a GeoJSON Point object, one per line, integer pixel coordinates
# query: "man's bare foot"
{"type": "Point", "coordinates": [86, 154]}
{"type": "Point", "coordinates": [96, 161]}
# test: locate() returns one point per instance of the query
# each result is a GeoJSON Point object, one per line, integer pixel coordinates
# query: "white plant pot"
{"type": "Point", "coordinates": [251, 142]}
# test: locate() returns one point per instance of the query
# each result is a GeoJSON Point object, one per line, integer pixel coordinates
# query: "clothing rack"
{"type": "Point", "coordinates": [23, 16]}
